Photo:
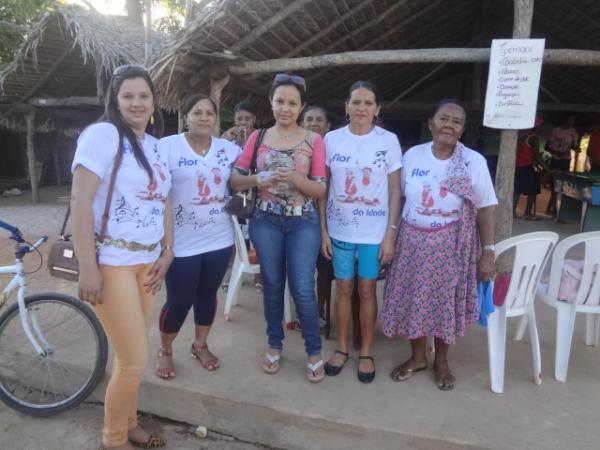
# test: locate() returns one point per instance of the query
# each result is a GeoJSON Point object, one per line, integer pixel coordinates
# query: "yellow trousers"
{"type": "Point", "coordinates": [125, 314]}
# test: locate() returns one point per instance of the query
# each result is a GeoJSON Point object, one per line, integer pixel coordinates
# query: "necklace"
{"type": "Point", "coordinates": [285, 136]}
{"type": "Point", "coordinates": [203, 150]}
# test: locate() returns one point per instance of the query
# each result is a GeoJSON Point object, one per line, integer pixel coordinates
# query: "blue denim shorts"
{"type": "Point", "coordinates": [346, 255]}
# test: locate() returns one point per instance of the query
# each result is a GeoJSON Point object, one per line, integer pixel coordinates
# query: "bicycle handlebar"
{"type": "Point", "coordinates": [9, 227]}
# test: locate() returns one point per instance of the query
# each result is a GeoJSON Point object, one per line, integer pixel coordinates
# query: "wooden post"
{"type": "Point", "coordinates": [30, 121]}
{"type": "Point", "coordinates": [218, 81]}
{"type": "Point", "coordinates": [505, 173]}
{"type": "Point", "coordinates": [56, 160]}
{"type": "Point", "coordinates": [148, 34]}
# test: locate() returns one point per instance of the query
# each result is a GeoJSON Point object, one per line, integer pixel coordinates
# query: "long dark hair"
{"type": "Point", "coordinates": [113, 115]}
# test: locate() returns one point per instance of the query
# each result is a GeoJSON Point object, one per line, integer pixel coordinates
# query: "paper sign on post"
{"type": "Point", "coordinates": [513, 83]}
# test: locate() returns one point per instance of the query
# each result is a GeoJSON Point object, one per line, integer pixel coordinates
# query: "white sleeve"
{"type": "Point", "coordinates": [394, 154]}
{"type": "Point", "coordinates": [483, 187]}
{"type": "Point", "coordinates": [96, 148]}
{"type": "Point", "coordinates": [327, 142]}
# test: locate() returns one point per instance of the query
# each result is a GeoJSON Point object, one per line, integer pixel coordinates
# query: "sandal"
{"type": "Point", "coordinates": [332, 370]}
{"type": "Point", "coordinates": [154, 441]}
{"type": "Point", "coordinates": [165, 373]}
{"type": "Point", "coordinates": [444, 382]}
{"type": "Point", "coordinates": [403, 373]}
{"type": "Point", "coordinates": [366, 377]}
{"type": "Point", "coordinates": [210, 363]}
{"type": "Point", "coordinates": [271, 363]}
{"type": "Point", "coordinates": [313, 374]}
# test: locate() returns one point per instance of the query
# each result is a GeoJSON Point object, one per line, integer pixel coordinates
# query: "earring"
{"type": "Point", "coordinates": [152, 119]}
{"type": "Point", "coordinates": [347, 117]}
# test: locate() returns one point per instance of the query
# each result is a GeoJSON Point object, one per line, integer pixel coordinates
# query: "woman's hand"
{"type": "Point", "coordinates": [158, 271]}
{"type": "Point", "coordinates": [386, 250]}
{"type": "Point", "coordinates": [486, 265]}
{"type": "Point", "coordinates": [90, 285]}
{"type": "Point", "coordinates": [264, 184]}
{"type": "Point", "coordinates": [326, 246]}
{"type": "Point", "coordinates": [285, 174]}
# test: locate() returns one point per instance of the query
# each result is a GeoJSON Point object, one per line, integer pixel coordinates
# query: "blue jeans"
{"type": "Point", "coordinates": [291, 242]}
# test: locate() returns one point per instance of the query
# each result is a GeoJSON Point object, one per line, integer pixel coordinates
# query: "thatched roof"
{"type": "Point", "coordinates": [230, 31]}
{"type": "Point", "coordinates": [71, 44]}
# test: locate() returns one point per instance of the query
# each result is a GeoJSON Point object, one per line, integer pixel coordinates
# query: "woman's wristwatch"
{"type": "Point", "coordinates": [488, 248]}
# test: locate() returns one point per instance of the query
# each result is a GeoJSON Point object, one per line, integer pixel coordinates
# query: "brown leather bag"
{"type": "Point", "coordinates": [62, 260]}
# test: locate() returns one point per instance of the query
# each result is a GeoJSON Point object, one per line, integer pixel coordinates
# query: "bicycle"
{"type": "Point", "coordinates": [53, 350]}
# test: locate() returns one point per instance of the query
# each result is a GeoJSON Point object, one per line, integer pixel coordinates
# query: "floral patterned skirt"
{"type": "Point", "coordinates": [428, 292]}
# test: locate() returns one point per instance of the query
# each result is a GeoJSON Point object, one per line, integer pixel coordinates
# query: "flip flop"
{"type": "Point", "coordinates": [271, 363]}
{"type": "Point", "coordinates": [445, 382]}
{"type": "Point", "coordinates": [312, 371]}
{"type": "Point", "coordinates": [403, 373]}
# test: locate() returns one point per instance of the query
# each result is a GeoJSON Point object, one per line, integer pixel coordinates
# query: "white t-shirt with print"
{"type": "Point", "coordinates": [138, 204]}
{"type": "Point", "coordinates": [198, 194]}
{"type": "Point", "coordinates": [357, 207]}
{"type": "Point", "coordinates": [429, 206]}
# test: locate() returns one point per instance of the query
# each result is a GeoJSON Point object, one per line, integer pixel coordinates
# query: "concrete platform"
{"type": "Point", "coordinates": [285, 411]}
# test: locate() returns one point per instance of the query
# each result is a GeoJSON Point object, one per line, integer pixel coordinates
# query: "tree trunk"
{"type": "Point", "coordinates": [33, 179]}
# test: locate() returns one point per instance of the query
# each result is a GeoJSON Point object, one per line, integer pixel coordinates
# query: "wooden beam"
{"type": "Point", "coordinates": [549, 93]}
{"type": "Point", "coordinates": [46, 76]}
{"type": "Point", "coordinates": [565, 57]}
{"type": "Point", "coordinates": [325, 31]}
{"type": "Point", "coordinates": [505, 172]}
{"type": "Point", "coordinates": [66, 101]}
{"type": "Point", "coordinates": [30, 122]}
{"type": "Point", "coordinates": [268, 24]}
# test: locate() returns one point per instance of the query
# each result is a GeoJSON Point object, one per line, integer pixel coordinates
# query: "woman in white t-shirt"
{"type": "Point", "coordinates": [200, 167]}
{"type": "Point", "coordinates": [120, 282]}
{"type": "Point", "coordinates": [445, 243]}
{"type": "Point", "coordinates": [358, 224]}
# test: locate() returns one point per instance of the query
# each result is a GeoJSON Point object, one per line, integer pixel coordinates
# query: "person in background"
{"type": "Point", "coordinates": [314, 118]}
{"type": "Point", "coordinates": [561, 141]}
{"type": "Point", "coordinates": [528, 162]}
{"type": "Point", "coordinates": [285, 226]}
{"type": "Point", "coordinates": [445, 243]}
{"type": "Point", "coordinates": [593, 150]}
{"type": "Point", "coordinates": [121, 280]}
{"type": "Point", "coordinates": [244, 119]}
{"type": "Point", "coordinates": [200, 167]}
{"type": "Point", "coordinates": [359, 221]}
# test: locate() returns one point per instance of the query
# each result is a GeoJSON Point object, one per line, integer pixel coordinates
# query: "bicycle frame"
{"type": "Point", "coordinates": [33, 332]}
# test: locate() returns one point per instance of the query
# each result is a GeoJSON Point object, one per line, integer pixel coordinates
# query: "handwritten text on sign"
{"type": "Point", "coordinates": [513, 83]}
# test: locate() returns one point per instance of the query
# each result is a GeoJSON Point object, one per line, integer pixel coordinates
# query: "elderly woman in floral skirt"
{"type": "Point", "coordinates": [445, 244]}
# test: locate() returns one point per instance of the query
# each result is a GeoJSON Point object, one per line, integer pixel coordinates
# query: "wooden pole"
{"type": "Point", "coordinates": [216, 90]}
{"type": "Point", "coordinates": [505, 172]}
{"type": "Point", "coordinates": [56, 160]}
{"type": "Point", "coordinates": [30, 121]}
{"type": "Point", "coordinates": [148, 34]}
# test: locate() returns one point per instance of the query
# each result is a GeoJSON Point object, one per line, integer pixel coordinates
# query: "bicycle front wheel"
{"type": "Point", "coordinates": [75, 359]}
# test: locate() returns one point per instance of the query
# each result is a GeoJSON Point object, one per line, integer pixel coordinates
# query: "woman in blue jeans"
{"type": "Point", "coordinates": [285, 227]}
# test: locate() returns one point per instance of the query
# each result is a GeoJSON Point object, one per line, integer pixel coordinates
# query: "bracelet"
{"type": "Point", "coordinates": [489, 247]}
{"type": "Point", "coordinates": [167, 248]}
{"type": "Point", "coordinates": [393, 227]}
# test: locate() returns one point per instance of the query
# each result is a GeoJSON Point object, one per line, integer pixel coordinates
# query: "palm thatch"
{"type": "Point", "coordinates": [230, 32]}
{"type": "Point", "coordinates": [62, 55]}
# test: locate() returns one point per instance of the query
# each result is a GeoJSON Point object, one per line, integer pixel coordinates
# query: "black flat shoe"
{"type": "Point", "coordinates": [332, 370]}
{"type": "Point", "coordinates": [366, 377]}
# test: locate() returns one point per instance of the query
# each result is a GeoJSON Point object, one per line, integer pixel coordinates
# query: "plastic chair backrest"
{"type": "Point", "coordinates": [588, 292]}
{"type": "Point", "coordinates": [531, 253]}
{"type": "Point", "coordinates": [240, 242]}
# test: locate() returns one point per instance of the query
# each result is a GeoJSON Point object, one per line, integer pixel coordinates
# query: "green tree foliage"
{"type": "Point", "coordinates": [15, 16]}
{"type": "Point", "coordinates": [173, 21]}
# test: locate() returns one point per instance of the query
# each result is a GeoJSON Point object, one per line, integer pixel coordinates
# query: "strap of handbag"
{"type": "Point", "coordinates": [259, 139]}
{"type": "Point", "coordinates": [109, 194]}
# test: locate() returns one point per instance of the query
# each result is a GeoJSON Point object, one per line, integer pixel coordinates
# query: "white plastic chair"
{"type": "Point", "coordinates": [242, 265]}
{"type": "Point", "coordinates": [587, 300]}
{"type": "Point", "coordinates": [531, 253]}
